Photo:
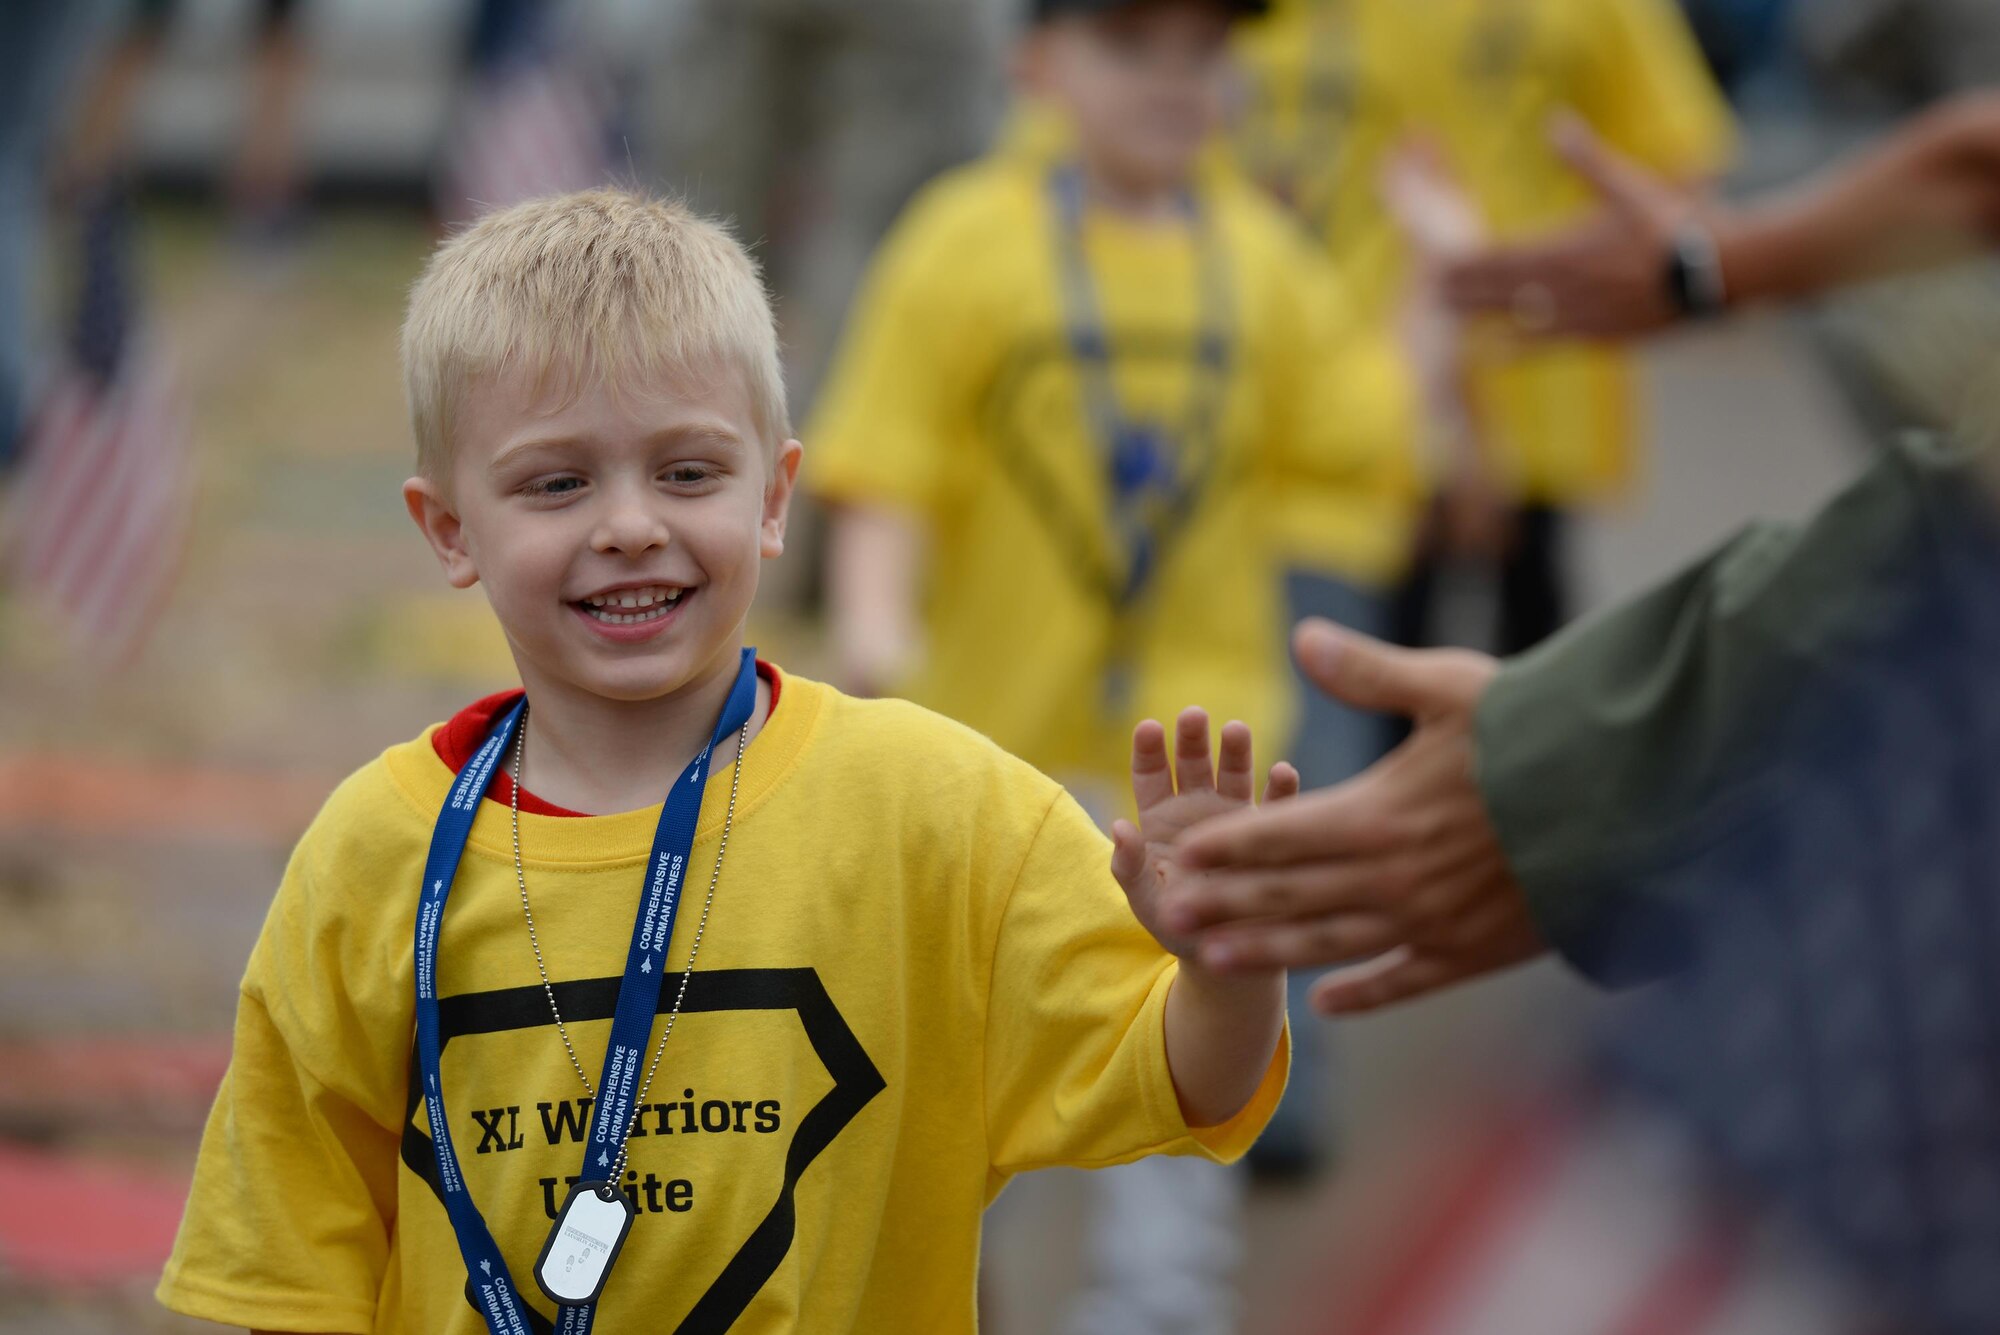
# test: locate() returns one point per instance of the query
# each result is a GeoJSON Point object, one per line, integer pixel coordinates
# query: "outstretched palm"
{"type": "Point", "coordinates": [1173, 794]}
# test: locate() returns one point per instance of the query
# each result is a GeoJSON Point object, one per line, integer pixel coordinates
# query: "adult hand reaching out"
{"type": "Point", "coordinates": [1926, 194]}
{"type": "Point", "coordinates": [1603, 278]}
{"type": "Point", "coordinates": [1399, 863]}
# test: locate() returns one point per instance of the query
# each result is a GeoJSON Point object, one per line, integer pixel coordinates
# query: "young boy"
{"type": "Point", "coordinates": [916, 975]}
{"type": "Point", "coordinates": [1081, 378]}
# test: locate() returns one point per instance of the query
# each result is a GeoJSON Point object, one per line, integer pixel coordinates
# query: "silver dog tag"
{"type": "Point", "coordinates": [589, 1230]}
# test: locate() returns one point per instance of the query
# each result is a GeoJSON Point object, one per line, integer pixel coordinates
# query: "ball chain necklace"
{"type": "Point", "coordinates": [694, 948]}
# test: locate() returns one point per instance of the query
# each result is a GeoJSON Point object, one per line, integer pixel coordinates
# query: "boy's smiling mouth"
{"type": "Point", "coordinates": [632, 608]}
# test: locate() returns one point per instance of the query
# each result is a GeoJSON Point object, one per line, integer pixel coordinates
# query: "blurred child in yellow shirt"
{"type": "Point", "coordinates": [1337, 87]}
{"type": "Point", "coordinates": [1079, 378]}
{"type": "Point", "coordinates": [1077, 375]}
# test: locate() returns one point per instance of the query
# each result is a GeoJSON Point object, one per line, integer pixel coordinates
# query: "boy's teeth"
{"type": "Point", "coordinates": [636, 598]}
{"type": "Point", "coordinates": [645, 604]}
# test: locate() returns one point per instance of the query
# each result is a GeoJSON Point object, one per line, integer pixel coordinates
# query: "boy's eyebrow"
{"type": "Point", "coordinates": [706, 433]}
{"type": "Point", "coordinates": [506, 456]}
{"type": "Point", "coordinates": [698, 433]}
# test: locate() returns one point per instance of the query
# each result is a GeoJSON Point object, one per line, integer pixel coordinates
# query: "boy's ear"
{"type": "Point", "coordinates": [434, 515]}
{"type": "Point", "coordinates": [778, 498]}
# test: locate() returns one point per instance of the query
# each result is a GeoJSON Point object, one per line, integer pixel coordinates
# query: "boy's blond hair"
{"type": "Point", "coordinates": [605, 283]}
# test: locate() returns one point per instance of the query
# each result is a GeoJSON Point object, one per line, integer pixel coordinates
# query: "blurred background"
{"type": "Point", "coordinates": [220, 205]}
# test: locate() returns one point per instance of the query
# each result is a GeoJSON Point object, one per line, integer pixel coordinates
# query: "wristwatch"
{"type": "Point", "coordinates": [1694, 273]}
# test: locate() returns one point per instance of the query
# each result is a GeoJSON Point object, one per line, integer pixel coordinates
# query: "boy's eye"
{"type": "Point", "coordinates": [552, 486]}
{"type": "Point", "coordinates": [687, 475]}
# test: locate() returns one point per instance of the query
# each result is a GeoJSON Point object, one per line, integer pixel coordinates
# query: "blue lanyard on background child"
{"type": "Point", "coordinates": [1153, 472]}
{"type": "Point", "coordinates": [492, 1284]}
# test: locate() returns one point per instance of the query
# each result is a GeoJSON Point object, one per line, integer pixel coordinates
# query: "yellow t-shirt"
{"type": "Point", "coordinates": [1338, 85]}
{"type": "Point", "coordinates": [957, 397]}
{"type": "Point", "coordinates": [918, 979]}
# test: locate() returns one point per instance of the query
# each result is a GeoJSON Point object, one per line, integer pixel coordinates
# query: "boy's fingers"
{"type": "Point", "coordinates": [1152, 778]}
{"type": "Point", "coordinates": [1397, 976]}
{"type": "Point", "coordinates": [1193, 769]}
{"type": "Point", "coordinates": [1235, 770]}
{"type": "Point", "coordinates": [1282, 782]}
{"type": "Point", "coordinates": [1128, 852]}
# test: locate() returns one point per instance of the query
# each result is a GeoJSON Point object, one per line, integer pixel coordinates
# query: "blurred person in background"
{"type": "Point", "coordinates": [1909, 52]}
{"type": "Point", "coordinates": [1925, 201]}
{"type": "Point", "coordinates": [1081, 374]}
{"type": "Point", "coordinates": [264, 189]}
{"type": "Point", "coordinates": [810, 123]}
{"type": "Point", "coordinates": [533, 114]}
{"type": "Point", "coordinates": [43, 45]}
{"type": "Point", "coordinates": [1337, 90]}
{"type": "Point", "coordinates": [1651, 257]}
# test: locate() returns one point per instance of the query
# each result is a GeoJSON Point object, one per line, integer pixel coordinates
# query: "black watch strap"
{"type": "Point", "coordinates": [1694, 273]}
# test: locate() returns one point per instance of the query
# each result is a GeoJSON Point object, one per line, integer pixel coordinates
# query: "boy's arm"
{"type": "Point", "coordinates": [1221, 1030]}
{"type": "Point", "coordinates": [873, 555]}
{"type": "Point", "coordinates": [289, 1223]}
{"type": "Point", "coordinates": [289, 1214]}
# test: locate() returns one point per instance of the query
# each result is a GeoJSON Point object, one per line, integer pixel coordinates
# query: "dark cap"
{"type": "Point", "coordinates": [1040, 11]}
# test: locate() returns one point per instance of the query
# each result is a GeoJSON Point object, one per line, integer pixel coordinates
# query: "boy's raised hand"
{"type": "Point", "coordinates": [1172, 794]}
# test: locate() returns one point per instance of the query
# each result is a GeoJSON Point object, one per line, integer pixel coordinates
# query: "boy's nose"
{"type": "Point", "coordinates": [631, 528]}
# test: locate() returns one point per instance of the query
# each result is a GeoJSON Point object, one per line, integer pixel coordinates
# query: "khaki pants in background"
{"type": "Point", "coordinates": [810, 124]}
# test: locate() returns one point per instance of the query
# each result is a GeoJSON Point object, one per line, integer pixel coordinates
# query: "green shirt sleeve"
{"type": "Point", "coordinates": [1627, 743]}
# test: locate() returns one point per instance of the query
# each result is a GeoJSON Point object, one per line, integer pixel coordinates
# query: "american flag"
{"type": "Point", "coordinates": [530, 122]}
{"type": "Point", "coordinates": [97, 517]}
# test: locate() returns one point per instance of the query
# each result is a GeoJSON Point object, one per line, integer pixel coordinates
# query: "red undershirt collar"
{"type": "Point", "coordinates": [456, 741]}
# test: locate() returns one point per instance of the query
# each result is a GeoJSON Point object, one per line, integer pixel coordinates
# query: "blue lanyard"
{"type": "Point", "coordinates": [631, 1026]}
{"type": "Point", "coordinates": [1150, 491]}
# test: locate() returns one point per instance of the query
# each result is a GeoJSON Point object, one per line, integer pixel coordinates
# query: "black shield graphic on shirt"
{"type": "Point", "coordinates": [855, 1082]}
{"type": "Point", "coordinates": [1031, 403]}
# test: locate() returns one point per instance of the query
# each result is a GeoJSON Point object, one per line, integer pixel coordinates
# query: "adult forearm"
{"type": "Point", "coordinates": [1222, 1032]}
{"type": "Point", "coordinates": [1617, 749]}
{"type": "Point", "coordinates": [1927, 194]}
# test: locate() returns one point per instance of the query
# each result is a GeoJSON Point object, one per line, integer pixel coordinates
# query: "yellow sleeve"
{"type": "Point", "coordinates": [1645, 87]}
{"type": "Point", "coordinates": [1076, 1056]}
{"type": "Point", "coordinates": [899, 394]}
{"type": "Point", "coordinates": [288, 1222]}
